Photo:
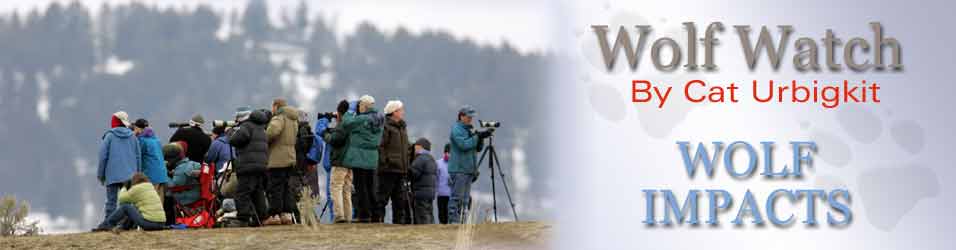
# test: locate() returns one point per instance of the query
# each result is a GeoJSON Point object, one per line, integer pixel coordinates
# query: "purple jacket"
{"type": "Point", "coordinates": [442, 180]}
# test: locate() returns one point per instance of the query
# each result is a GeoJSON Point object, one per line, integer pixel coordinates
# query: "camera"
{"type": "Point", "coordinates": [223, 124]}
{"type": "Point", "coordinates": [178, 124]}
{"type": "Point", "coordinates": [489, 124]}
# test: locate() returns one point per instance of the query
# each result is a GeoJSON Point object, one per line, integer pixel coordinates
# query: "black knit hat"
{"type": "Point", "coordinates": [424, 143]}
{"type": "Point", "coordinates": [141, 123]}
{"type": "Point", "coordinates": [447, 147]}
{"type": "Point", "coordinates": [343, 107]}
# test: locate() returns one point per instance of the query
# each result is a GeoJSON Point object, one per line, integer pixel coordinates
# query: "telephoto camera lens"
{"type": "Point", "coordinates": [178, 124]}
{"type": "Point", "coordinates": [489, 124]}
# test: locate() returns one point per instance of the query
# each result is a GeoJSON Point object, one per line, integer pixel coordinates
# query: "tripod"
{"type": "Point", "coordinates": [492, 164]}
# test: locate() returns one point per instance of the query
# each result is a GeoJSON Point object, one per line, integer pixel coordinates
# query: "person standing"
{"type": "Point", "coordinates": [281, 133]}
{"type": "Point", "coordinates": [220, 152]}
{"type": "Point", "coordinates": [441, 184]}
{"type": "Point", "coordinates": [364, 129]}
{"type": "Point", "coordinates": [465, 145]}
{"type": "Point", "coordinates": [196, 140]}
{"type": "Point", "coordinates": [119, 158]}
{"type": "Point", "coordinates": [252, 147]}
{"type": "Point", "coordinates": [393, 160]}
{"type": "Point", "coordinates": [152, 156]}
{"type": "Point", "coordinates": [304, 172]}
{"type": "Point", "coordinates": [318, 154]}
{"type": "Point", "coordinates": [423, 174]}
{"type": "Point", "coordinates": [339, 176]}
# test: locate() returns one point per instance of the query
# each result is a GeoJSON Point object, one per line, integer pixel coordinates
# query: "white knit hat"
{"type": "Point", "coordinates": [123, 117]}
{"type": "Point", "coordinates": [367, 99]}
{"type": "Point", "coordinates": [392, 106]}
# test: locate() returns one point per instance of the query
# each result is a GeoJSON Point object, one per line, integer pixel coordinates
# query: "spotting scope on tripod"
{"type": "Point", "coordinates": [495, 166]}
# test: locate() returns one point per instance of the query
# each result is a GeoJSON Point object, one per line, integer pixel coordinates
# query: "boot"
{"type": "Point", "coordinates": [286, 219]}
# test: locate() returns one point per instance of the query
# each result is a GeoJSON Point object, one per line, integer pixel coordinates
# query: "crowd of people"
{"type": "Point", "coordinates": [265, 158]}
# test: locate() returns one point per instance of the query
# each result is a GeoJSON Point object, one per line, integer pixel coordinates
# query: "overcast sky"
{"type": "Point", "coordinates": [522, 23]}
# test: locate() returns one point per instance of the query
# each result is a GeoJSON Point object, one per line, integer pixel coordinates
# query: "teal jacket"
{"type": "Point", "coordinates": [186, 174]}
{"type": "Point", "coordinates": [464, 148]}
{"type": "Point", "coordinates": [364, 135]}
{"type": "Point", "coordinates": [153, 164]}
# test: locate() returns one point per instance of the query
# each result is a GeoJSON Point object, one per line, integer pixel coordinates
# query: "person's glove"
{"type": "Point", "coordinates": [474, 179]}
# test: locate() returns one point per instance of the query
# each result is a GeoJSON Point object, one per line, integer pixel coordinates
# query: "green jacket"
{"type": "Point", "coordinates": [337, 140]}
{"type": "Point", "coordinates": [146, 200]}
{"type": "Point", "coordinates": [364, 135]}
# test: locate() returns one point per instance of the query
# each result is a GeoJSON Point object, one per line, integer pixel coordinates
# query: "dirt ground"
{"type": "Point", "coordinates": [523, 235]}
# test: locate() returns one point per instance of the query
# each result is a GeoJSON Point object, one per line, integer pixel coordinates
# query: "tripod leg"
{"type": "Point", "coordinates": [491, 166]}
{"type": "Point", "coordinates": [504, 182]}
{"type": "Point", "coordinates": [482, 157]}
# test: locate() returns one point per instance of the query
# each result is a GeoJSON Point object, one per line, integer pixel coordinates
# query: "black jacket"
{"type": "Point", "coordinates": [251, 144]}
{"type": "Point", "coordinates": [393, 154]}
{"type": "Point", "coordinates": [197, 142]}
{"type": "Point", "coordinates": [303, 142]}
{"type": "Point", "coordinates": [337, 140]}
{"type": "Point", "coordinates": [423, 174]}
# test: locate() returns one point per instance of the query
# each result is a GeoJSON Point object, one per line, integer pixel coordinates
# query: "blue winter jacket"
{"type": "Point", "coordinates": [153, 165]}
{"type": "Point", "coordinates": [220, 152]}
{"type": "Point", "coordinates": [319, 151]}
{"type": "Point", "coordinates": [464, 146]}
{"type": "Point", "coordinates": [119, 156]}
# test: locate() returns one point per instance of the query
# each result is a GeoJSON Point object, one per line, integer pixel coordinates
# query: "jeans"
{"type": "Point", "coordinates": [341, 197]}
{"type": "Point", "coordinates": [132, 218]}
{"type": "Point", "coordinates": [460, 197]}
{"type": "Point", "coordinates": [111, 191]}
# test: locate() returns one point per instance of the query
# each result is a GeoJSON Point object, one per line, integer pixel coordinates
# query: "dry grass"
{"type": "Point", "coordinates": [523, 235]}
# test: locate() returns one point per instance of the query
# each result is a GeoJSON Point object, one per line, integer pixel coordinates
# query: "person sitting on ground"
{"type": "Point", "coordinates": [139, 207]}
